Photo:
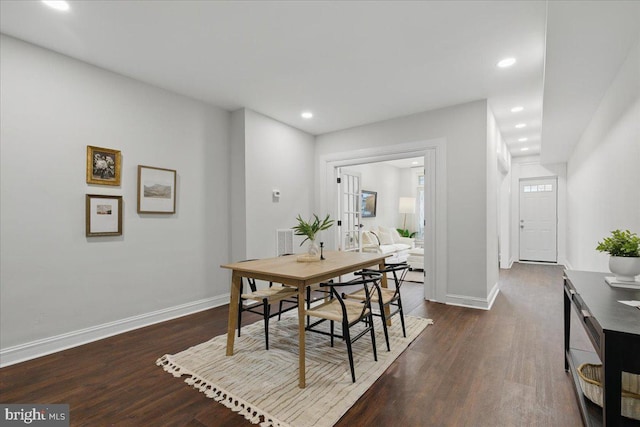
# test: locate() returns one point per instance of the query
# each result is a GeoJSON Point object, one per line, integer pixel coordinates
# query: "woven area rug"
{"type": "Point", "coordinates": [262, 385]}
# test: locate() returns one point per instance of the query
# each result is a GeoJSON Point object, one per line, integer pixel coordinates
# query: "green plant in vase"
{"type": "Point", "coordinates": [406, 233]}
{"type": "Point", "coordinates": [310, 229]}
{"type": "Point", "coordinates": [624, 250]}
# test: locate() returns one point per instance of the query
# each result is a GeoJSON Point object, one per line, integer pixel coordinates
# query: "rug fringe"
{"type": "Point", "coordinates": [253, 415]}
{"type": "Point", "coordinates": [166, 364]}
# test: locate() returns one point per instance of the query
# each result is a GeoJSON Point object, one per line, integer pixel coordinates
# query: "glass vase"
{"type": "Point", "coordinates": [313, 250]}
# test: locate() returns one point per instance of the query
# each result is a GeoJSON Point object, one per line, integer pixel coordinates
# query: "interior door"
{"type": "Point", "coordinates": [349, 208]}
{"type": "Point", "coordinates": [538, 220]}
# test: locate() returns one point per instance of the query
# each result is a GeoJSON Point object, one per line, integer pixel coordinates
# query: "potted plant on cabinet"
{"type": "Point", "coordinates": [309, 229]}
{"type": "Point", "coordinates": [624, 250]}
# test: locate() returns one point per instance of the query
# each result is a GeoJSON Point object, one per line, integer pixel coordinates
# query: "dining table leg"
{"type": "Point", "coordinates": [301, 336]}
{"type": "Point", "coordinates": [384, 283]}
{"type": "Point", "coordinates": [232, 324]}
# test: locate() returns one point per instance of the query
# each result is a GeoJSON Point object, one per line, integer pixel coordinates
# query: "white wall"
{"type": "Point", "coordinates": [238, 196]}
{"type": "Point", "coordinates": [505, 219]}
{"type": "Point", "coordinates": [504, 199]}
{"type": "Point", "coordinates": [54, 280]}
{"type": "Point", "coordinates": [464, 128]}
{"type": "Point", "coordinates": [603, 173]}
{"type": "Point", "coordinates": [494, 143]}
{"type": "Point", "coordinates": [530, 167]}
{"type": "Point", "coordinates": [277, 156]}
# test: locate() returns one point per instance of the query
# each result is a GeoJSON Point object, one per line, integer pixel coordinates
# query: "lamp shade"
{"type": "Point", "coordinates": [407, 205]}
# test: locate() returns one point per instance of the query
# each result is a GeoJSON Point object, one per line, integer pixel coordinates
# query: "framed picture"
{"type": "Point", "coordinates": [104, 215]}
{"type": "Point", "coordinates": [103, 166]}
{"type": "Point", "coordinates": [368, 204]}
{"type": "Point", "coordinates": [156, 190]}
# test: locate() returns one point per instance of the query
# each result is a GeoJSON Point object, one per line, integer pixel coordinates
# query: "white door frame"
{"type": "Point", "coordinates": [522, 181]}
{"type": "Point", "coordinates": [435, 244]}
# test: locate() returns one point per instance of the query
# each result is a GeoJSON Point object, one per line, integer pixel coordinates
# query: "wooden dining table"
{"type": "Point", "coordinates": [289, 271]}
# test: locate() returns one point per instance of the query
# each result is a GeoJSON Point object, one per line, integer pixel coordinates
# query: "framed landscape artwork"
{"type": "Point", "coordinates": [103, 166]}
{"type": "Point", "coordinates": [368, 204]}
{"type": "Point", "coordinates": [156, 190]}
{"type": "Point", "coordinates": [103, 215]}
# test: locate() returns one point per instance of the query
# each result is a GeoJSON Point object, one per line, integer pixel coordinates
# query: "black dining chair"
{"type": "Point", "coordinates": [386, 298]}
{"type": "Point", "coordinates": [259, 301]}
{"type": "Point", "coordinates": [348, 312]}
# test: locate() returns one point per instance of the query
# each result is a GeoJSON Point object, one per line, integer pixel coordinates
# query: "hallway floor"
{"type": "Point", "coordinates": [502, 367]}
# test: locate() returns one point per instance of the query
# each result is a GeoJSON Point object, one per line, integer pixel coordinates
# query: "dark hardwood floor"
{"type": "Point", "coordinates": [502, 367]}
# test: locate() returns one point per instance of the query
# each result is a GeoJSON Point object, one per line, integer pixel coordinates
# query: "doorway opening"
{"type": "Point", "coordinates": [432, 202]}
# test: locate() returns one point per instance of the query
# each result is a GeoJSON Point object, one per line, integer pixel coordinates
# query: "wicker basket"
{"type": "Point", "coordinates": [591, 384]}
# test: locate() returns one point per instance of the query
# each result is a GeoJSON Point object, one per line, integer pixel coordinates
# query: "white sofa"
{"type": "Point", "coordinates": [385, 240]}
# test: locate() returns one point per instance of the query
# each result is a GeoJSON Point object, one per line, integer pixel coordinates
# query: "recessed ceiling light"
{"type": "Point", "coordinates": [414, 162]}
{"type": "Point", "coordinates": [517, 109]}
{"type": "Point", "coordinates": [506, 62]}
{"type": "Point", "coordinates": [521, 125]}
{"type": "Point", "coordinates": [524, 149]}
{"type": "Point", "coordinates": [57, 4]}
{"type": "Point", "coordinates": [522, 139]}
{"type": "Point", "coordinates": [307, 115]}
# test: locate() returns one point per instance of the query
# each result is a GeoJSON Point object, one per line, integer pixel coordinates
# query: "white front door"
{"type": "Point", "coordinates": [349, 208]}
{"type": "Point", "coordinates": [538, 219]}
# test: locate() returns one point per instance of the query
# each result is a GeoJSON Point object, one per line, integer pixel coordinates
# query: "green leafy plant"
{"type": "Point", "coordinates": [312, 227]}
{"type": "Point", "coordinates": [621, 243]}
{"type": "Point", "coordinates": [406, 233]}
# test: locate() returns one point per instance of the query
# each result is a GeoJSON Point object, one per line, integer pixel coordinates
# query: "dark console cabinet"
{"type": "Point", "coordinates": [614, 331]}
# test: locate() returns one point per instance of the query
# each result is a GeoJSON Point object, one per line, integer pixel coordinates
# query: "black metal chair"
{"type": "Point", "coordinates": [348, 313]}
{"type": "Point", "coordinates": [386, 297]}
{"type": "Point", "coordinates": [259, 301]}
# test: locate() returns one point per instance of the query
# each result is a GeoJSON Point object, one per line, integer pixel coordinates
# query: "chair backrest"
{"type": "Point", "coordinates": [250, 280]}
{"type": "Point", "coordinates": [398, 271]}
{"type": "Point", "coordinates": [369, 281]}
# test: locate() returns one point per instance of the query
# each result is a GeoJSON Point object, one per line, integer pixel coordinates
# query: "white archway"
{"type": "Point", "coordinates": [435, 244]}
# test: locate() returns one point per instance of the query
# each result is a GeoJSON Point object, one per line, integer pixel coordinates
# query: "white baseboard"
{"type": "Point", "coordinates": [474, 302]}
{"type": "Point", "coordinates": [42, 347]}
{"type": "Point", "coordinates": [493, 295]}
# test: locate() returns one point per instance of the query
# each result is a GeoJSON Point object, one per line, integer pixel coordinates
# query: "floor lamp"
{"type": "Point", "coordinates": [407, 206]}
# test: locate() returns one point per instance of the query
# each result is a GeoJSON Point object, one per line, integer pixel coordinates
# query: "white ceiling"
{"type": "Point", "coordinates": [353, 63]}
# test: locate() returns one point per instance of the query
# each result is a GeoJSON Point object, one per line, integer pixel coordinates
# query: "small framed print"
{"type": "Point", "coordinates": [104, 215]}
{"type": "Point", "coordinates": [103, 166]}
{"type": "Point", "coordinates": [156, 190]}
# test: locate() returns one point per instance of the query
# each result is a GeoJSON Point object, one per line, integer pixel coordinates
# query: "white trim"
{"type": "Point", "coordinates": [434, 152]}
{"type": "Point", "coordinates": [493, 295]}
{"type": "Point", "coordinates": [474, 302]}
{"type": "Point", "coordinates": [42, 347]}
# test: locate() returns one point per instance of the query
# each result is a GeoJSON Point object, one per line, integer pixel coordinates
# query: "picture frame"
{"type": "Point", "coordinates": [103, 215]}
{"type": "Point", "coordinates": [156, 190]}
{"type": "Point", "coordinates": [103, 166]}
{"type": "Point", "coordinates": [368, 203]}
